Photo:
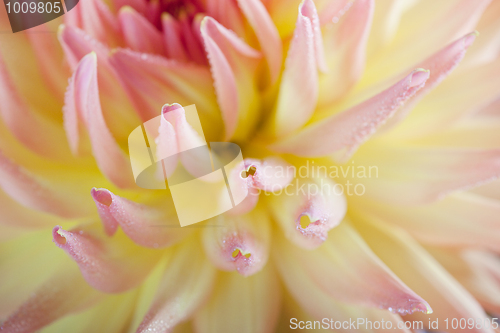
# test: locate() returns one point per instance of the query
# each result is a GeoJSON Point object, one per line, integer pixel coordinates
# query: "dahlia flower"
{"type": "Point", "coordinates": [370, 133]}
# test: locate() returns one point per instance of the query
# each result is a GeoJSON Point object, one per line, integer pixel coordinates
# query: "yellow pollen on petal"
{"type": "Point", "coordinates": [305, 220]}
{"type": "Point", "coordinates": [249, 172]}
{"type": "Point", "coordinates": [237, 251]}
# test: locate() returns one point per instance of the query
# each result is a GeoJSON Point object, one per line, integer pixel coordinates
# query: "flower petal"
{"type": "Point", "coordinates": [187, 138]}
{"type": "Point", "coordinates": [477, 271]}
{"type": "Point", "coordinates": [299, 84]}
{"type": "Point", "coordinates": [270, 175]}
{"type": "Point", "coordinates": [111, 265]}
{"type": "Point", "coordinates": [39, 134]}
{"type": "Point", "coordinates": [242, 304]}
{"type": "Point", "coordinates": [462, 95]}
{"type": "Point", "coordinates": [226, 12]}
{"type": "Point", "coordinates": [469, 132]}
{"type": "Point", "coordinates": [342, 134]}
{"type": "Point", "coordinates": [318, 201]}
{"type": "Point", "coordinates": [16, 215]}
{"type": "Point", "coordinates": [49, 57]}
{"type": "Point", "coordinates": [267, 34]}
{"type": "Point", "coordinates": [83, 94]}
{"type": "Point", "coordinates": [26, 262]}
{"type": "Point", "coordinates": [487, 48]}
{"type": "Point", "coordinates": [180, 294]}
{"type": "Point", "coordinates": [191, 36]}
{"type": "Point", "coordinates": [66, 292]}
{"type": "Point", "coordinates": [172, 37]}
{"type": "Point", "coordinates": [145, 225]}
{"type": "Point", "coordinates": [115, 102]}
{"type": "Point", "coordinates": [76, 44]}
{"type": "Point", "coordinates": [421, 33]}
{"type": "Point", "coordinates": [139, 34]}
{"type": "Point", "coordinates": [106, 316]}
{"type": "Point", "coordinates": [233, 64]}
{"type": "Point", "coordinates": [165, 81]}
{"type": "Point", "coordinates": [319, 305]}
{"type": "Point", "coordinates": [340, 268]}
{"type": "Point", "coordinates": [165, 145]}
{"type": "Point", "coordinates": [440, 65]}
{"type": "Point", "coordinates": [446, 222]}
{"type": "Point", "coordinates": [140, 6]}
{"type": "Point", "coordinates": [345, 49]}
{"type": "Point", "coordinates": [97, 20]}
{"type": "Point", "coordinates": [489, 190]}
{"type": "Point", "coordinates": [416, 268]}
{"type": "Point", "coordinates": [332, 11]}
{"type": "Point", "coordinates": [284, 13]}
{"type": "Point", "coordinates": [242, 244]}
{"type": "Point", "coordinates": [425, 174]}
{"type": "Point", "coordinates": [308, 9]}
{"type": "Point", "coordinates": [37, 194]}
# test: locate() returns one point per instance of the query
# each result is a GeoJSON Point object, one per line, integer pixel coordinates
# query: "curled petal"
{"type": "Point", "coordinates": [172, 37]}
{"type": "Point", "coordinates": [266, 32]}
{"type": "Point", "coordinates": [140, 35]}
{"type": "Point", "coordinates": [145, 225]}
{"type": "Point", "coordinates": [65, 293]}
{"type": "Point", "coordinates": [179, 294]}
{"type": "Point", "coordinates": [187, 137]}
{"type": "Point", "coordinates": [465, 94]}
{"type": "Point", "coordinates": [340, 268]}
{"type": "Point", "coordinates": [440, 65]}
{"type": "Point", "coordinates": [82, 100]}
{"type": "Point", "coordinates": [242, 304]}
{"type": "Point", "coordinates": [299, 84]}
{"type": "Point", "coordinates": [166, 145]}
{"type": "Point", "coordinates": [487, 48]}
{"type": "Point", "coordinates": [115, 103]}
{"type": "Point", "coordinates": [76, 44]}
{"type": "Point", "coordinates": [308, 209]}
{"type": "Point", "coordinates": [241, 245]}
{"type": "Point", "coordinates": [308, 9]}
{"type": "Point", "coordinates": [342, 134]}
{"type": "Point", "coordinates": [345, 49]}
{"type": "Point", "coordinates": [226, 12]}
{"type": "Point", "coordinates": [97, 20]}
{"type": "Point", "coordinates": [105, 264]}
{"type": "Point", "coordinates": [270, 175]}
{"type": "Point", "coordinates": [233, 63]}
